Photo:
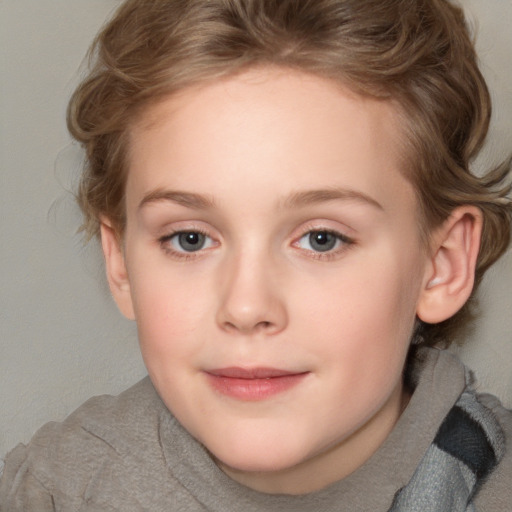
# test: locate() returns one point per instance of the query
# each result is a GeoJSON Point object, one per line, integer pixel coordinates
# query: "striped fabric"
{"type": "Point", "coordinates": [467, 447]}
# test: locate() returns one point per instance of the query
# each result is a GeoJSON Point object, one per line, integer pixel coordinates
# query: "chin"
{"type": "Point", "coordinates": [259, 457]}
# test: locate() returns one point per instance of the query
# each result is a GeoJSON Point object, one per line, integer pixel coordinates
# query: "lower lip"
{"type": "Point", "coordinates": [253, 390]}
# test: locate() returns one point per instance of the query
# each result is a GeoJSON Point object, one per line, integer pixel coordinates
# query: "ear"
{"type": "Point", "coordinates": [117, 274]}
{"type": "Point", "coordinates": [450, 275]}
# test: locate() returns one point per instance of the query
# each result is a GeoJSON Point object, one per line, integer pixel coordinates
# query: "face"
{"type": "Point", "coordinates": [273, 266]}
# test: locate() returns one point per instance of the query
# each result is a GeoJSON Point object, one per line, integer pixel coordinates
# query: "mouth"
{"type": "Point", "coordinates": [253, 384]}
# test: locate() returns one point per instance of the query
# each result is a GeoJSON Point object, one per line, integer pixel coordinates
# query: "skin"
{"type": "Point", "coordinates": [256, 163]}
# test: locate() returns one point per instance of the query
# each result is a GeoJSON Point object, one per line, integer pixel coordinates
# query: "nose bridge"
{"type": "Point", "coordinates": [251, 299]}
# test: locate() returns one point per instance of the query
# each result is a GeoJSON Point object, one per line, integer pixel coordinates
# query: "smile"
{"type": "Point", "coordinates": [253, 384]}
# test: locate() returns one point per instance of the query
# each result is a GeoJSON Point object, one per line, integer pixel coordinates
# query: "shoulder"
{"type": "Point", "coordinates": [62, 458]}
{"type": "Point", "coordinates": [104, 426]}
{"type": "Point", "coordinates": [495, 495]}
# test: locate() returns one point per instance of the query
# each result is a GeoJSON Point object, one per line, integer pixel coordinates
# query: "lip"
{"type": "Point", "coordinates": [253, 384]}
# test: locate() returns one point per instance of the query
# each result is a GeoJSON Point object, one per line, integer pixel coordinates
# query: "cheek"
{"type": "Point", "coordinates": [364, 318]}
{"type": "Point", "coordinates": [169, 310]}
{"type": "Point", "coordinates": [361, 306]}
{"type": "Point", "coordinates": [366, 341]}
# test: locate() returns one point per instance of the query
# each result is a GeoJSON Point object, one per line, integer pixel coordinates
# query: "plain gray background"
{"type": "Point", "coordinates": [62, 339]}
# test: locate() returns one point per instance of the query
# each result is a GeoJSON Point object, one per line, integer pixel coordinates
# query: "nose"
{"type": "Point", "coordinates": [252, 297]}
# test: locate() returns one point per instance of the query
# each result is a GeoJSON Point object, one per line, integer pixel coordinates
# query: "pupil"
{"type": "Point", "coordinates": [322, 241]}
{"type": "Point", "coordinates": [191, 241]}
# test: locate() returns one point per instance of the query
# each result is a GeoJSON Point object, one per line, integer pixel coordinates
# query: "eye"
{"type": "Point", "coordinates": [187, 241]}
{"type": "Point", "coordinates": [322, 241]}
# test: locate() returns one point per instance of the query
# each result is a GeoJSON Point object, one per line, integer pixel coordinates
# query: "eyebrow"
{"type": "Point", "coordinates": [187, 199]}
{"type": "Point", "coordinates": [295, 200]}
{"type": "Point", "coordinates": [310, 197]}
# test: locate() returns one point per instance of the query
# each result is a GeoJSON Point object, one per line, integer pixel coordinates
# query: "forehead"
{"type": "Point", "coordinates": [263, 124]}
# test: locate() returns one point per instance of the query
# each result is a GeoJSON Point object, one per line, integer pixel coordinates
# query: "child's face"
{"type": "Point", "coordinates": [274, 267]}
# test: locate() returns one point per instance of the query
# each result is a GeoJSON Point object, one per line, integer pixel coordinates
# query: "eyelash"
{"type": "Point", "coordinates": [343, 240]}
{"type": "Point", "coordinates": [165, 240]}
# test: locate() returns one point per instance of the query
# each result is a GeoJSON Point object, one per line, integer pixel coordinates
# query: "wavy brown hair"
{"type": "Point", "coordinates": [416, 53]}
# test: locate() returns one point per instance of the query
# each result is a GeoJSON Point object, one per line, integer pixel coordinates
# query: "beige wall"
{"type": "Point", "coordinates": [61, 339]}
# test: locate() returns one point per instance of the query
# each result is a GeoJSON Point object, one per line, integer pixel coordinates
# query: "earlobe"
{"type": "Point", "coordinates": [451, 274]}
{"type": "Point", "coordinates": [117, 275]}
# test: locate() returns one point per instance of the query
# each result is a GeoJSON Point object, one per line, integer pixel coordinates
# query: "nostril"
{"type": "Point", "coordinates": [255, 327]}
{"type": "Point", "coordinates": [230, 326]}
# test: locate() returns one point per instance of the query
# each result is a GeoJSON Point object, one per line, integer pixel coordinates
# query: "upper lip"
{"type": "Point", "coordinates": [252, 373]}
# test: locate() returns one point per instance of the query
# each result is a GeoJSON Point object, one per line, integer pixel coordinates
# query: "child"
{"type": "Point", "coordinates": [283, 197]}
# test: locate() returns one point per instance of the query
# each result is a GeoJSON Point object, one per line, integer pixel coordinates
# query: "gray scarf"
{"type": "Point", "coordinates": [467, 447]}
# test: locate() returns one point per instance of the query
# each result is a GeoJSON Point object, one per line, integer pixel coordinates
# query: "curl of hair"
{"type": "Point", "coordinates": [416, 53]}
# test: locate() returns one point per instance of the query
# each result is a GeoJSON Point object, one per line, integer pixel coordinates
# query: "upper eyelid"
{"type": "Point", "coordinates": [333, 231]}
{"type": "Point", "coordinates": [169, 229]}
{"type": "Point", "coordinates": [173, 232]}
{"type": "Point", "coordinates": [323, 225]}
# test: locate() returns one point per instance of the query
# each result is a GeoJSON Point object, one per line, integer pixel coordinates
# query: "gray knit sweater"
{"type": "Point", "coordinates": [128, 453]}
